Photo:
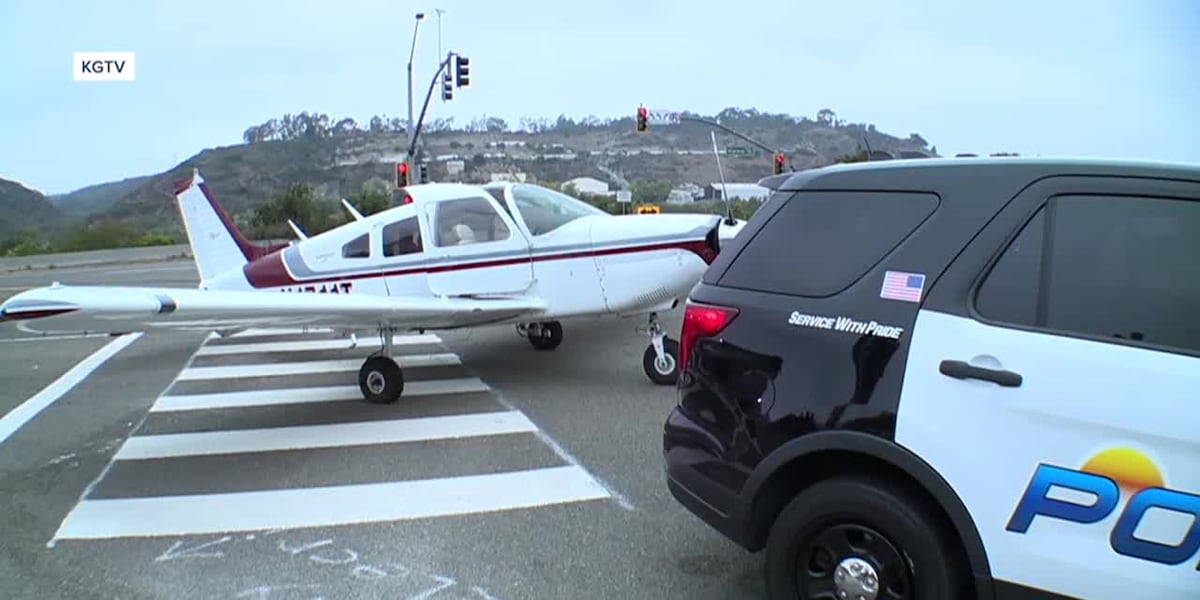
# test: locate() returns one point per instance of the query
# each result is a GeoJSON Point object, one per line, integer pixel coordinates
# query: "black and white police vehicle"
{"type": "Point", "coordinates": [953, 378]}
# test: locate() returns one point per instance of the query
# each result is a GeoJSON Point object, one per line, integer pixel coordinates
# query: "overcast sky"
{"type": "Point", "coordinates": [1049, 77]}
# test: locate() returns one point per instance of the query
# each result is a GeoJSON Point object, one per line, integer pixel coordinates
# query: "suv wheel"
{"type": "Point", "coordinates": [872, 541]}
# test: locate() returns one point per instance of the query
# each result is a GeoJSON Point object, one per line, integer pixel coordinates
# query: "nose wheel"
{"type": "Point", "coordinates": [380, 379]}
{"type": "Point", "coordinates": [660, 361]}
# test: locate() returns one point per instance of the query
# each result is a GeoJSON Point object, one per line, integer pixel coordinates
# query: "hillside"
{"type": "Point", "coordinates": [337, 157]}
{"type": "Point", "coordinates": [24, 209]}
{"type": "Point", "coordinates": [96, 198]}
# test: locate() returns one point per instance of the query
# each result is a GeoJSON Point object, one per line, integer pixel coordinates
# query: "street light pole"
{"type": "Point", "coordinates": [411, 53]}
{"type": "Point", "coordinates": [440, 12]}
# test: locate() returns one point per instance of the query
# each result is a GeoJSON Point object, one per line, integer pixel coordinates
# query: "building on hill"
{"type": "Point", "coordinates": [737, 191]}
{"type": "Point", "coordinates": [516, 177]}
{"type": "Point", "coordinates": [587, 185]}
{"type": "Point", "coordinates": [685, 194]}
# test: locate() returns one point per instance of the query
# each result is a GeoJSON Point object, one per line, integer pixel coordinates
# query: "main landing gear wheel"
{"type": "Point", "coordinates": [546, 335]}
{"type": "Point", "coordinates": [850, 538]}
{"type": "Point", "coordinates": [660, 361]}
{"type": "Point", "coordinates": [380, 379]}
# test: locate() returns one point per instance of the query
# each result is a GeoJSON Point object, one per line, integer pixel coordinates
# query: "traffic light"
{"type": "Point", "coordinates": [779, 160]}
{"type": "Point", "coordinates": [424, 171]}
{"type": "Point", "coordinates": [463, 66]}
{"type": "Point", "coordinates": [643, 119]}
{"type": "Point", "coordinates": [401, 175]}
{"type": "Point", "coordinates": [447, 87]}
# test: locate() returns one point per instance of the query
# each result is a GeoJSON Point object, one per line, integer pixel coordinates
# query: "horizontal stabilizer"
{"type": "Point", "coordinates": [102, 309]}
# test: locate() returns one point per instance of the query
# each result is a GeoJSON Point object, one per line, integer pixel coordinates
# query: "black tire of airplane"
{"type": "Point", "coordinates": [904, 524]}
{"type": "Point", "coordinates": [393, 380]}
{"type": "Point", "coordinates": [551, 339]}
{"type": "Point", "coordinates": [671, 347]}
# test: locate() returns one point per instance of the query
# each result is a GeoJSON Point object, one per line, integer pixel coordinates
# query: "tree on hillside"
{"type": "Point", "coordinates": [300, 203]}
{"type": "Point", "coordinates": [650, 192]}
{"type": "Point", "coordinates": [376, 196]}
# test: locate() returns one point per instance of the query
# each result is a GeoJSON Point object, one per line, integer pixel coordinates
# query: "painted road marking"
{"type": "Point", "coordinates": [326, 506]}
{"type": "Point", "coordinates": [19, 416]}
{"type": "Point", "coordinates": [312, 366]}
{"type": "Point", "coordinates": [306, 345]}
{"type": "Point", "coordinates": [338, 393]}
{"type": "Point", "coordinates": [338, 435]}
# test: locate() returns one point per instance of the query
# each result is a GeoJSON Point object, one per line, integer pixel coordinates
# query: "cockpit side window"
{"type": "Point", "coordinates": [468, 221]}
{"type": "Point", "coordinates": [402, 237]}
{"type": "Point", "coordinates": [545, 210]}
{"type": "Point", "coordinates": [359, 247]}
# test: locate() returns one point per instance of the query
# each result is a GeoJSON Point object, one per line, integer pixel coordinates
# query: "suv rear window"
{"type": "Point", "coordinates": [820, 243]}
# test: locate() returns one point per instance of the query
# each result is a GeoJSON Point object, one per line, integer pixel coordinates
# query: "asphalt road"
{"type": "Point", "coordinates": [247, 467]}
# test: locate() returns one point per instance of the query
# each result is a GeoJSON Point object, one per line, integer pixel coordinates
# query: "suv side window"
{"type": "Point", "coordinates": [358, 247]}
{"type": "Point", "coordinates": [1106, 266]}
{"type": "Point", "coordinates": [819, 243]}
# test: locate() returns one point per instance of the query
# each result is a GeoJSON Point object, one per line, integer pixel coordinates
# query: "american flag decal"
{"type": "Point", "coordinates": [898, 285]}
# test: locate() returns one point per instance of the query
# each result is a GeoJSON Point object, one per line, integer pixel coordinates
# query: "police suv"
{"type": "Point", "coordinates": [953, 378]}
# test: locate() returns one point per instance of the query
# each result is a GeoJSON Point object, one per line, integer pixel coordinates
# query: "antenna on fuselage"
{"type": "Point", "coordinates": [353, 211]}
{"type": "Point", "coordinates": [729, 220]}
{"type": "Point", "coordinates": [296, 229]}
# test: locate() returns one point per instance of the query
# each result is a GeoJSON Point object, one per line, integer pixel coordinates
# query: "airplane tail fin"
{"type": "Point", "coordinates": [216, 243]}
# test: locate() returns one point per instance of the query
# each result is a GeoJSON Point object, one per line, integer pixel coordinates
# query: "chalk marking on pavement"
{"type": "Point", "coordinates": [29, 409]}
{"type": "Point", "coordinates": [310, 507]}
{"type": "Point", "coordinates": [338, 435]}
{"type": "Point", "coordinates": [306, 345]}
{"type": "Point", "coordinates": [276, 397]}
{"type": "Point", "coordinates": [312, 366]}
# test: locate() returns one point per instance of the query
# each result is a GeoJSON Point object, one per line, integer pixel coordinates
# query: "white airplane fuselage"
{"type": "Point", "coordinates": [592, 265]}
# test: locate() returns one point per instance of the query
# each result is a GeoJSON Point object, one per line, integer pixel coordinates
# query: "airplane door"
{"type": "Point", "coordinates": [1059, 400]}
{"type": "Point", "coordinates": [476, 249]}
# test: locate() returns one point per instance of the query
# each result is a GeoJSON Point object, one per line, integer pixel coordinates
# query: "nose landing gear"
{"type": "Point", "coordinates": [660, 361]}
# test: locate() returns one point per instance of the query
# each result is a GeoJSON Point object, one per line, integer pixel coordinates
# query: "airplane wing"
{"type": "Point", "coordinates": [73, 309]}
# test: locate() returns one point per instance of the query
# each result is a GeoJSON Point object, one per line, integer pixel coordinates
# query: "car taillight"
{"type": "Point", "coordinates": [701, 320]}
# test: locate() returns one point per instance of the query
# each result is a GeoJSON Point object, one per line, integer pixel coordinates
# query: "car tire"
{"type": "Point", "coordinates": [853, 523]}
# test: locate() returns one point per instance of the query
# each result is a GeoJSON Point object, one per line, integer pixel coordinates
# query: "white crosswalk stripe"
{"type": "Point", "coordinates": [222, 451]}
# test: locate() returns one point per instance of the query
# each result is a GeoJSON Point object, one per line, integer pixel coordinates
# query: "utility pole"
{"type": "Point", "coordinates": [411, 54]}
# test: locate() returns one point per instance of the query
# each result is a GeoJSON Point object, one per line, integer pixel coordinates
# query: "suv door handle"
{"type": "Point", "coordinates": [962, 370]}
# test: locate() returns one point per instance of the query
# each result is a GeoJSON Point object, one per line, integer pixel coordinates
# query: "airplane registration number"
{"type": "Point", "coordinates": [330, 288]}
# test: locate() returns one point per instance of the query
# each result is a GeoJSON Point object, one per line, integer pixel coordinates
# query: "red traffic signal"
{"type": "Point", "coordinates": [402, 175]}
{"type": "Point", "coordinates": [779, 161]}
{"type": "Point", "coordinates": [643, 119]}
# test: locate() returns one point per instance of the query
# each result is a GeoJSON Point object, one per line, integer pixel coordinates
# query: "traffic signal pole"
{"type": "Point", "coordinates": [412, 147]}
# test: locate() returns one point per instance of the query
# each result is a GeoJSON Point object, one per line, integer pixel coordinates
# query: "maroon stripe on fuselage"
{"type": "Point", "coordinates": [269, 271]}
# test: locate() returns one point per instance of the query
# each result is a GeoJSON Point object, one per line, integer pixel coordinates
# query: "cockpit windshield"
{"type": "Point", "coordinates": [545, 210]}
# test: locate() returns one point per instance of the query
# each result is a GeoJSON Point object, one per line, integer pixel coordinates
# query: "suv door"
{"type": "Point", "coordinates": [476, 249]}
{"type": "Point", "coordinates": [1060, 401]}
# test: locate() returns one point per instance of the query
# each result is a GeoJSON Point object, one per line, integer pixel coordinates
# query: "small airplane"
{"type": "Point", "coordinates": [451, 256]}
